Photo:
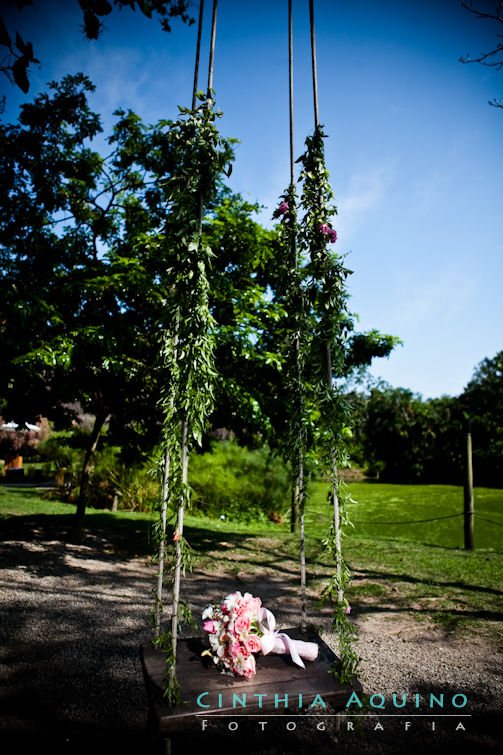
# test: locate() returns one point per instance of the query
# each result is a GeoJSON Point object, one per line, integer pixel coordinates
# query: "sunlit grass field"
{"type": "Point", "coordinates": [377, 511]}
{"type": "Point", "coordinates": [418, 567]}
{"type": "Point", "coordinates": [395, 512]}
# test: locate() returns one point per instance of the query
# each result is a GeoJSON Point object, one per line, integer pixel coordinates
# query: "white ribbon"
{"type": "Point", "coordinates": [275, 641]}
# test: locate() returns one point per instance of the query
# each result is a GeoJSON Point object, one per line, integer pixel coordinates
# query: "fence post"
{"type": "Point", "coordinates": [468, 497]}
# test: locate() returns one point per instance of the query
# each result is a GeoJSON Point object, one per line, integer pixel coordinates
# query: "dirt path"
{"type": "Point", "coordinates": [74, 616]}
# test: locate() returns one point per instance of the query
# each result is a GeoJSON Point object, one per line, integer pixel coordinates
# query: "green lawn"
{"type": "Point", "coordinates": [25, 510]}
{"type": "Point", "coordinates": [373, 512]}
{"type": "Point", "coordinates": [412, 567]}
{"type": "Point", "coordinates": [376, 505]}
{"type": "Point", "coordinates": [379, 511]}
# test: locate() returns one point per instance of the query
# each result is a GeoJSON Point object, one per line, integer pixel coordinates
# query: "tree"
{"type": "Point", "coordinates": [20, 54]}
{"type": "Point", "coordinates": [253, 327]}
{"type": "Point", "coordinates": [405, 439]}
{"type": "Point", "coordinates": [482, 401]}
{"type": "Point", "coordinates": [398, 435]}
{"type": "Point", "coordinates": [81, 296]}
{"type": "Point", "coordinates": [493, 58]}
{"type": "Point", "coordinates": [84, 248]}
{"type": "Point", "coordinates": [249, 397]}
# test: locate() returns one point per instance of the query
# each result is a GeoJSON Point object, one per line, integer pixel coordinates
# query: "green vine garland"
{"type": "Point", "coordinates": [328, 300]}
{"type": "Point", "coordinates": [199, 156]}
{"type": "Point", "coordinates": [294, 293]}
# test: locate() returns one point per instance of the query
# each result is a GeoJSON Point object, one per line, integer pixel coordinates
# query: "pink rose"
{"type": "Point", "coordinates": [253, 644]}
{"type": "Point", "coordinates": [250, 608]}
{"type": "Point", "coordinates": [333, 235]}
{"type": "Point", "coordinates": [209, 626]}
{"type": "Point", "coordinates": [323, 228]}
{"type": "Point", "coordinates": [283, 208]}
{"type": "Point", "coordinates": [249, 668]}
{"type": "Point", "coordinates": [246, 611]}
{"type": "Point", "coordinates": [237, 650]}
{"type": "Point", "coordinates": [242, 624]}
{"type": "Point", "coordinates": [347, 610]}
{"type": "Point", "coordinates": [176, 537]}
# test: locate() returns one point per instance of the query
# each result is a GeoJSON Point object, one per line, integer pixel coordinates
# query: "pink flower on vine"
{"type": "Point", "coordinates": [347, 610]}
{"type": "Point", "coordinates": [325, 229]}
{"type": "Point", "coordinates": [283, 208]}
{"type": "Point", "coordinates": [176, 537]}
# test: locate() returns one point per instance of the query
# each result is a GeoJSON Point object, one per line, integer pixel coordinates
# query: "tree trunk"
{"type": "Point", "coordinates": [115, 502]}
{"type": "Point", "coordinates": [76, 531]}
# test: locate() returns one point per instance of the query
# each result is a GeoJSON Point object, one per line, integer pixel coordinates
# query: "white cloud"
{"type": "Point", "coordinates": [447, 296]}
{"type": "Point", "coordinates": [123, 77]}
{"type": "Point", "coordinates": [366, 193]}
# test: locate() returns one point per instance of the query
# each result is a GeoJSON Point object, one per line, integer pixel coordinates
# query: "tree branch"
{"type": "Point", "coordinates": [498, 64]}
{"type": "Point", "coordinates": [485, 58]}
{"type": "Point", "coordinates": [498, 16]}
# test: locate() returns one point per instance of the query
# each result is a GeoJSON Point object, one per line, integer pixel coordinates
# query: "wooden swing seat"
{"type": "Point", "coordinates": [277, 679]}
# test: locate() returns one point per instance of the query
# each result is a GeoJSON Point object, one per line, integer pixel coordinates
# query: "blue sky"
{"type": "Point", "coordinates": [414, 151]}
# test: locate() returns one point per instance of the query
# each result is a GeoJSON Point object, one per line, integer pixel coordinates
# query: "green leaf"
{"type": "Point", "coordinates": [102, 7]}
{"type": "Point", "coordinates": [26, 49]}
{"type": "Point", "coordinates": [4, 35]}
{"type": "Point", "coordinates": [145, 8]}
{"type": "Point", "coordinates": [19, 71]}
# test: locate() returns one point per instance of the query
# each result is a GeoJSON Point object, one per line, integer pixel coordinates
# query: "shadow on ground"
{"type": "Point", "coordinates": [73, 617]}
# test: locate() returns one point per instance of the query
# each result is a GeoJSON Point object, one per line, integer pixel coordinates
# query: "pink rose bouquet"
{"type": "Point", "coordinates": [239, 627]}
{"type": "Point", "coordinates": [233, 633]}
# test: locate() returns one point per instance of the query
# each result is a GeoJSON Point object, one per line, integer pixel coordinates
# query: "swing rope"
{"type": "Point", "coordinates": [198, 51]}
{"type": "Point", "coordinates": [313, 63]}
{"type": "Point", "coordinates": [212, 48]}
{"type": "Point", "coordinates": [298, 487]}
{"type": "Point", "coordinates": [329, 378]}
{"type": "Point", "coordinates": [290, 90]}
{"type": "Point", "coordinates": [167, 460]}
{"type": "Point", "coordinates": [185, 429]}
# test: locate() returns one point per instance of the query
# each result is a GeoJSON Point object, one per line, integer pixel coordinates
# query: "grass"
{"type": "Point", "coordinates": [27, 510]}
{"type": "Point", "coordinates": [421, 566]}
{"type": "Point", "coordinates": [376, 505]}
{"type": "Point", "coordinates": [405, 568]}
{"type": "Point", "coordinates": [451, 586]}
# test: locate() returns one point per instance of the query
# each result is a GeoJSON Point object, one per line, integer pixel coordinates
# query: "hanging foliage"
{"type": "Point", "coordinates": [299, 328]}
{"type": "Point", "coordinates": [200, 156]}
{"type": "Point", "coordinates": [328, 299]}
{"type": "Point", "coordinates": [298, 319]}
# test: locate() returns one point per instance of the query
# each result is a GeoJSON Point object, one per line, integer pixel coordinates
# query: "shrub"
{"type": "Point", "coordinates": [60, 450]}
{"type": "Point", "coordinates": [239, 484]}
{"type": "Point", "coordinates": [135, 488]}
